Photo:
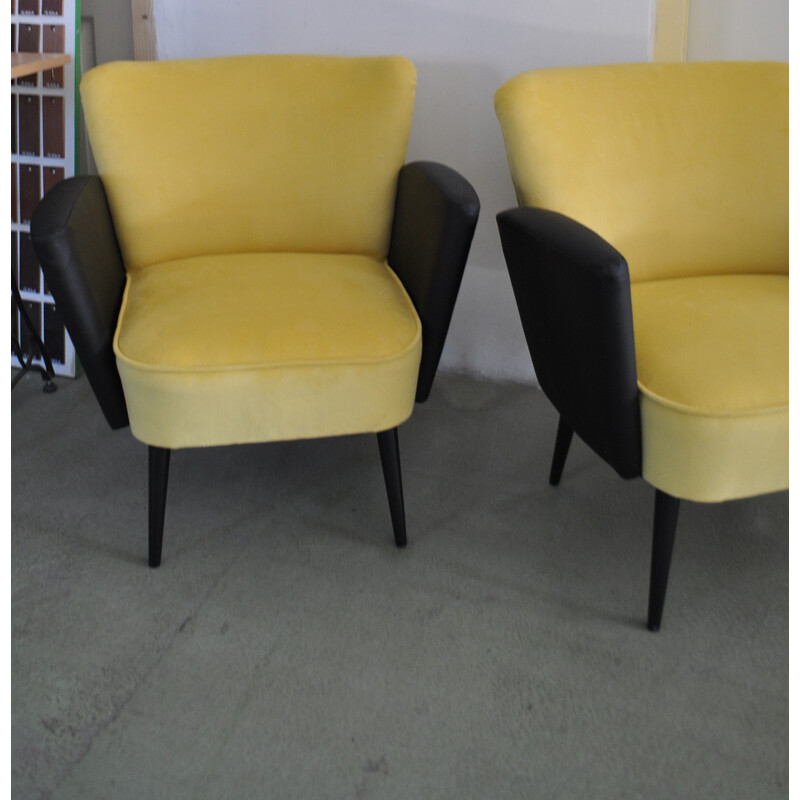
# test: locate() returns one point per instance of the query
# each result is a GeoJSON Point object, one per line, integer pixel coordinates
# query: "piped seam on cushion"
{"type": "Point", "coordinates": [200, 370]}
{"type": "Point", "coordinates": [686, 409]}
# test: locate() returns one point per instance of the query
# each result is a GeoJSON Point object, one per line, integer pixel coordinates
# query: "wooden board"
{"type": "Point", "coordinates": [23, 64]}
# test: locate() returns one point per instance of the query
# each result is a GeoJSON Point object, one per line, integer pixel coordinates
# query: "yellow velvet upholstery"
{"type": "Point", "coordinates": [712, 359]}
{"type": "Point", "coordinates": [683, 168]}
{"type": "Point", "coordinates": [262, 347]}
{"type": "Point", "coordinates": [253, 199]}
{"type": "Point", "coordinates": [250, 154]}
{"type": "Point", "coordinates": [653, 183]}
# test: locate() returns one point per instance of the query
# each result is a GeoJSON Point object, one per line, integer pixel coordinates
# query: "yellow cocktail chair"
{"type": "Point", "coordinates": [255, 262]}
{"type": "Point", "coordinates": [649, 261]}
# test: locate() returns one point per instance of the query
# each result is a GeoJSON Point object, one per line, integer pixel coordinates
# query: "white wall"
{"type": "Point", "coordinates": [112, 29]}
{"type": "Point", "coordinates": [738, 29]}
{"type": "Point", "coordinates": [464, 50]}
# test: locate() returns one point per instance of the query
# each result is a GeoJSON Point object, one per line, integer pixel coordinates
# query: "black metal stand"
{"type": "Point", "coordinates": [38, 348]}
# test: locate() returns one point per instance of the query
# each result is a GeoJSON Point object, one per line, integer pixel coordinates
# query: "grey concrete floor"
{"type": "Point", "coordinates": [286, 649]}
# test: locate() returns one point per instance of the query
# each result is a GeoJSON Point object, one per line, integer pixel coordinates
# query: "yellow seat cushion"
{"type": "Point", "coordinates": [260, 347]}
{"type": "Point", "coordinates": [712, 358]}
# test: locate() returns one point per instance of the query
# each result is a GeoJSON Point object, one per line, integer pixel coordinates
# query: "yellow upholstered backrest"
{"type": "Point", "coordinates": [250, 153]}
{"type": "Point", "coordinates": [682, 167]}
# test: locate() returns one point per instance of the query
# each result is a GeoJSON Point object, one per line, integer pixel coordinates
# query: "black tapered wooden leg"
{"type": "Point", "coordinates": [563, 441]}
{"type": "Point", "coordinates": [158, 459]}
{"type": "Point", "coordinates": [389, 447]}
{"type": "Point", "coordinates": [665, 521]}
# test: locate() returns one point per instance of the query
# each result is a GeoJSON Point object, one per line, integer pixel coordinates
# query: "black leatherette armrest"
{"type": "Point", "coordinates": [436, 212]}
{"type": "Point", "coordinates": [74, 239]}
{"type": "Point", "coordinates": [573, 294]}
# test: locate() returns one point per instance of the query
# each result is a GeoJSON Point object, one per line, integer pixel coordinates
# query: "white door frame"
{"type": "Point", "coordinates": [670, 36]}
